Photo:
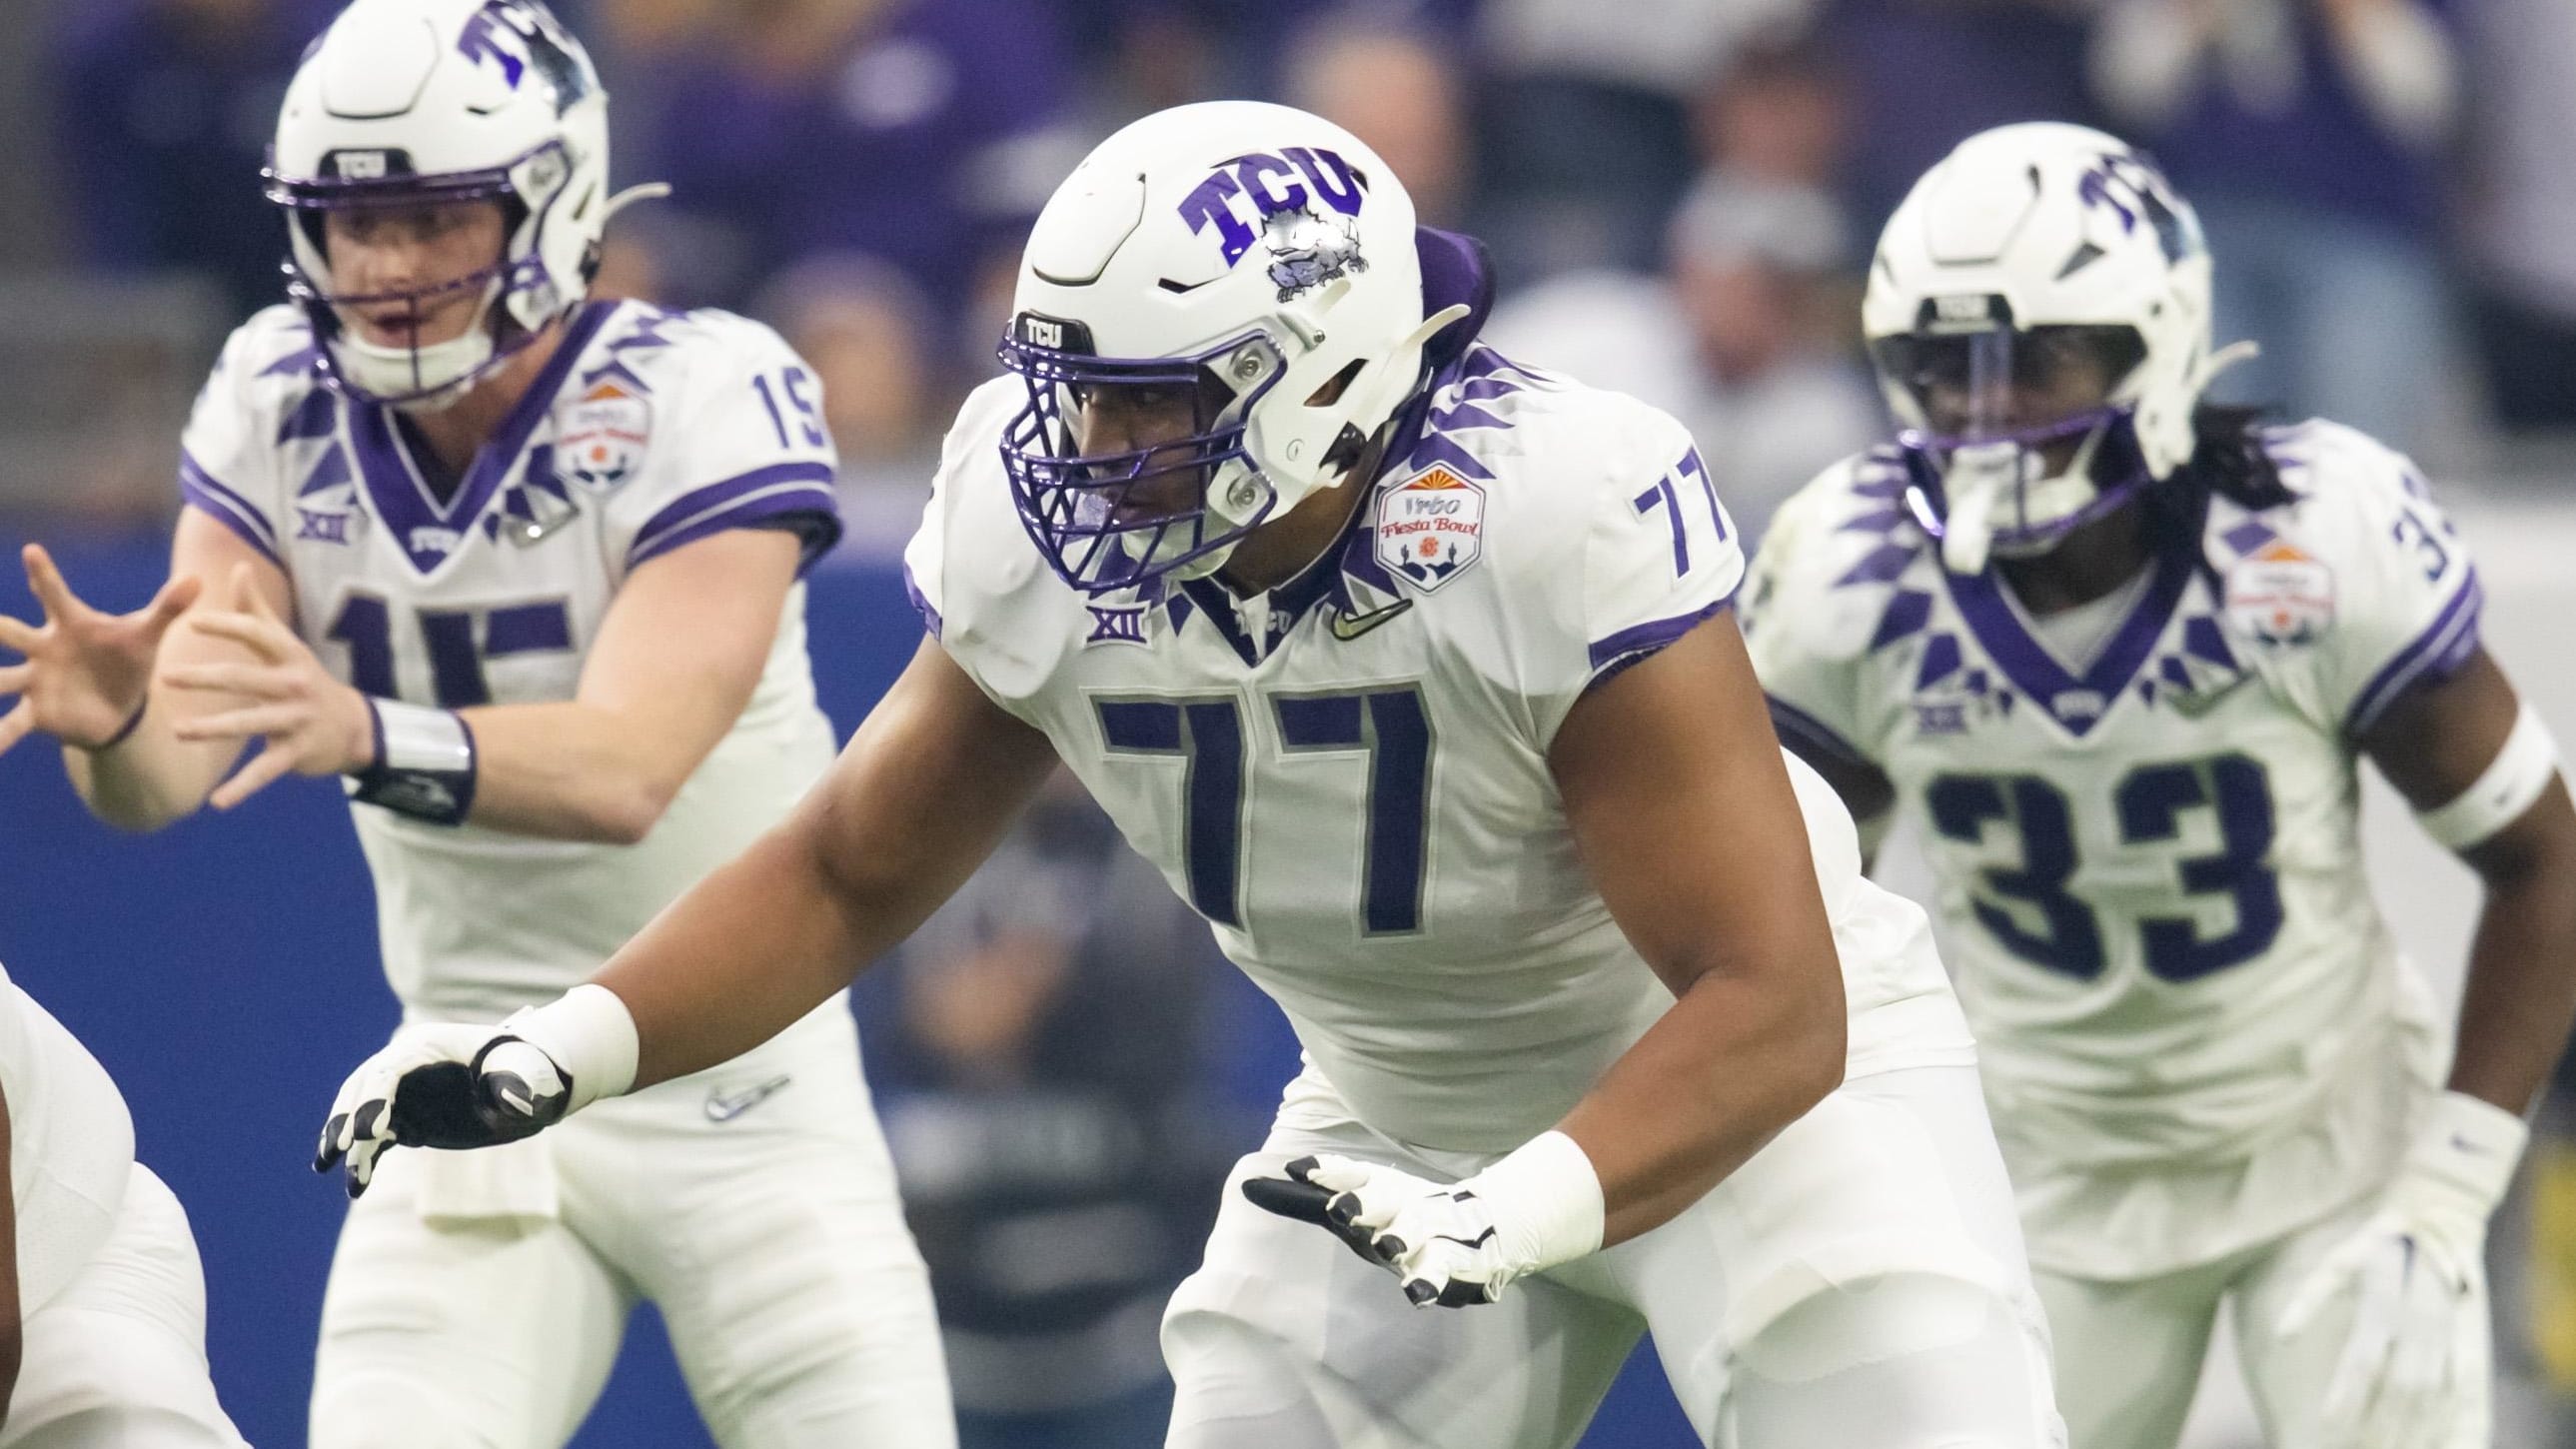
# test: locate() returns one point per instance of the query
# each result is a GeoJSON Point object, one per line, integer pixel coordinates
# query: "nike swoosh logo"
{"type": "Point", "coordinates": [2201, 702]}
{"type": "Point", "coordinates": [1351, 626]}
{"type": "Point", "coordinates": [723, 1108]}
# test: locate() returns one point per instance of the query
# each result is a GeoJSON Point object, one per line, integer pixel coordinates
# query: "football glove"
{"type": "Point", "coordinates": [2416, 1361]}
{"type": "Point", "coordinates": [477, 1086]}
{"type": "Point", "coordinates": [1453, 1245]}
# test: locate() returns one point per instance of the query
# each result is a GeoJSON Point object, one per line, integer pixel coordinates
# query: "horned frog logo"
{"type": "Point", "coordinates": [1307, 250]}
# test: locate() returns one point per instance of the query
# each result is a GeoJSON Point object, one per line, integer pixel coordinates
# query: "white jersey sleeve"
{"type": "Point", "coordinates": [2364, 571]}
{"type": "Point", "coordinates": [229, 455]}
{"type": "Point", "coordinates": [741, 443]}
{"type": "Point", "coordinates": [1637, 550]}
{"type": "Point", "coordinates": [1810, 621]}
{"type": "Point", "coordinates": [969, 566]}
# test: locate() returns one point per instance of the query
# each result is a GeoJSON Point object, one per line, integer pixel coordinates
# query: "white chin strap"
{"type": "Point", "coordinates": [390, 371]}
{"type": "Point", "coordinates": [1983, 481]}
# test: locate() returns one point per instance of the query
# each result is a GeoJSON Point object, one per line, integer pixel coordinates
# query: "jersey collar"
{"type": "Point", "coordinates": [427, 532]}
{"type": "Point", "coordinates": [2077, 703]}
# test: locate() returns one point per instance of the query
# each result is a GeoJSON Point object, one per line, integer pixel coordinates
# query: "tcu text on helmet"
{"type": "Point", "coordinates": [1238, 194]}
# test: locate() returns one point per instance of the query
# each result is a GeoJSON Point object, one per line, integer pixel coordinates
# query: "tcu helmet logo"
{"type": "Point", "coordinates": [1239, 198]}
{"type": "Point", "coordinates": [2131, 189]}
{"type": "Point", "coordinates": [516, 35]}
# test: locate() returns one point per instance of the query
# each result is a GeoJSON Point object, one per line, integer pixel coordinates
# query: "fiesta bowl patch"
{"type": "Point", "coordinates": [2281, 595]}
{"type": "Point", "coordinates": [1431, 526]}
{"type": "Point", "coordinates": [602, 435]}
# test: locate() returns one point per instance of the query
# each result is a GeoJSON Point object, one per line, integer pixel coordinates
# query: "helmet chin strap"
{"type": "Point", "coordinates": [387, 370]}
{"type": "Point", "coordinates": [1988, 479]}
{"type": "Point", "coordinates": [643, 191]}
{"type": "Point", "coordinates": [2221, 360]}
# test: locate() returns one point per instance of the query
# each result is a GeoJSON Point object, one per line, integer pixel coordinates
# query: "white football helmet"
{"type": "Point", "coordinates": [2034, 267]}
{"type": "Point", "coordinates": [414, 102]}
{"type": "Point", "coordinates": [1251, 256]}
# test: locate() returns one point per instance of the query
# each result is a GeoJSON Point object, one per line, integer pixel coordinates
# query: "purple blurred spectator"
{"type": "Point", "coordinates": [1586, 130]}
{"type": "Point", "coordinates": [1779, 114]}
{"type": "Point", "coordinates": [925, 132]}
{"type": "Point", "coordinates": [871, 338]}
{"type": "Point", "coordinates": [2522, 226]}
{"type": "Point", "coordinates": [1398, 89]}
{"type": "Point", "coordinates": [166, 109]}
{"type": "Point", "coordinates": [2310, 136]}
{"type": "Point", "coordinates": [1924, 75]}
{"type": "Point", "coordinates": [1741, 339]}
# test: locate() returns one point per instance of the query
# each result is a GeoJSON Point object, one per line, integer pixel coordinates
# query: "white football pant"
{"type": "Point", "coordinates": [1859, 1283]}
{"type": "Point", "coordinates": [2130, 1354]}
{"type": "Point", "coordinates": [478, 1298]}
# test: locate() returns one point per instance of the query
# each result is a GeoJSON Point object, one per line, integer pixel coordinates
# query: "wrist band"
{"type": "Point", "coordinates": [126, 730]}
{"type": "Point", "coordinates": [589, 1035]}
{"type": "Point", "coordinates": [424, 765]}
{"type": "Point", "coordinates": [1546, 1202]}
{"type": "Point", "coordinates": [2470, 1146]}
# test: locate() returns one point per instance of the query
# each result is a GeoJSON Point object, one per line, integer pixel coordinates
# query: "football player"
{"type": "Point", "coordinates": [102, 1299]}
{"type": "Point", "coordinates": [523, 570]}
{"type": "Point", "coordinates": [1411, 668]}
{"type": "Point", "coordinates": [2123, 650]}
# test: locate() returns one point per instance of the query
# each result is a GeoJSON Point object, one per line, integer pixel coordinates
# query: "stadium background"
{"type": "Point", "coordinates": [1678, 192]}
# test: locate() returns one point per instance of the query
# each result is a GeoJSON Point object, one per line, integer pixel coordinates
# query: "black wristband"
{"type": "Point", "coordinates": [424, 764]}
{"type": "Point", "coordinates": [126, 730]}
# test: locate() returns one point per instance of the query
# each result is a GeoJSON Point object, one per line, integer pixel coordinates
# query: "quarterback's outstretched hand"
{"type": "Point", "coordinates": [1456, 1245]}
{"type": "Point", "coordinates": [86, 673]}
{"type": "Point", "coordinates": [2417, 1353]}
{"type": "Point", "coordinates": [477, 1086]}
{"type": "Point", "coordinates": [309, 722]}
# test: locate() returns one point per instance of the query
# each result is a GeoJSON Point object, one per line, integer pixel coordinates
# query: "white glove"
{"type": "Point", "coordinates": [2416, 1359]}
{"type": "Point", "coordinates": [476, 1086]}
{"type": "Point", "coordinates": [1456, 1245]}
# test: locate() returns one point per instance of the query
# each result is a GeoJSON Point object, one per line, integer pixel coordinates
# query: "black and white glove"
{"type": "Point", "coordinates": [1453, 1245]}
{"type": "Point", "coordinates": [478, 1086]}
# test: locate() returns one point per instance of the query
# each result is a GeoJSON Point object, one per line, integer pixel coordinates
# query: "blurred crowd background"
{"type": "Point", "coordinates": [1681, 196]}
{"type": "Point", "coordinates": [1680, 193]}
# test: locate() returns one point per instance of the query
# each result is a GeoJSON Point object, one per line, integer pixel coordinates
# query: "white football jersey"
{"type": "Point", "coordinates": [1348, 776]}
{"type": "Point", "coordinates": [646, 430]}
{"type": "Point", "coordinates": [2148, 867]}
{"type": "Point", "coordinates": [71, 1146]}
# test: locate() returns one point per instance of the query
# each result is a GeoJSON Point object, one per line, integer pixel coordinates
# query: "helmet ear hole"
{"type": "Point", "coordinates": [1331, 389]}
{"type": "Point", "coordinates": [1345, 451]}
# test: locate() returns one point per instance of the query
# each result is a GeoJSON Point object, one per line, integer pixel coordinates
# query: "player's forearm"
{"type": "Point", "coordinates": [2520, 998]}
{"type": "Point", "coordinates": [151, 778]}
{"type": "Point", "coordinates": [739, 959]}
{"type": "Point", "coordinates": [1730, 1065]}
{"type": "Point", "coordinates": [570, 771]}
